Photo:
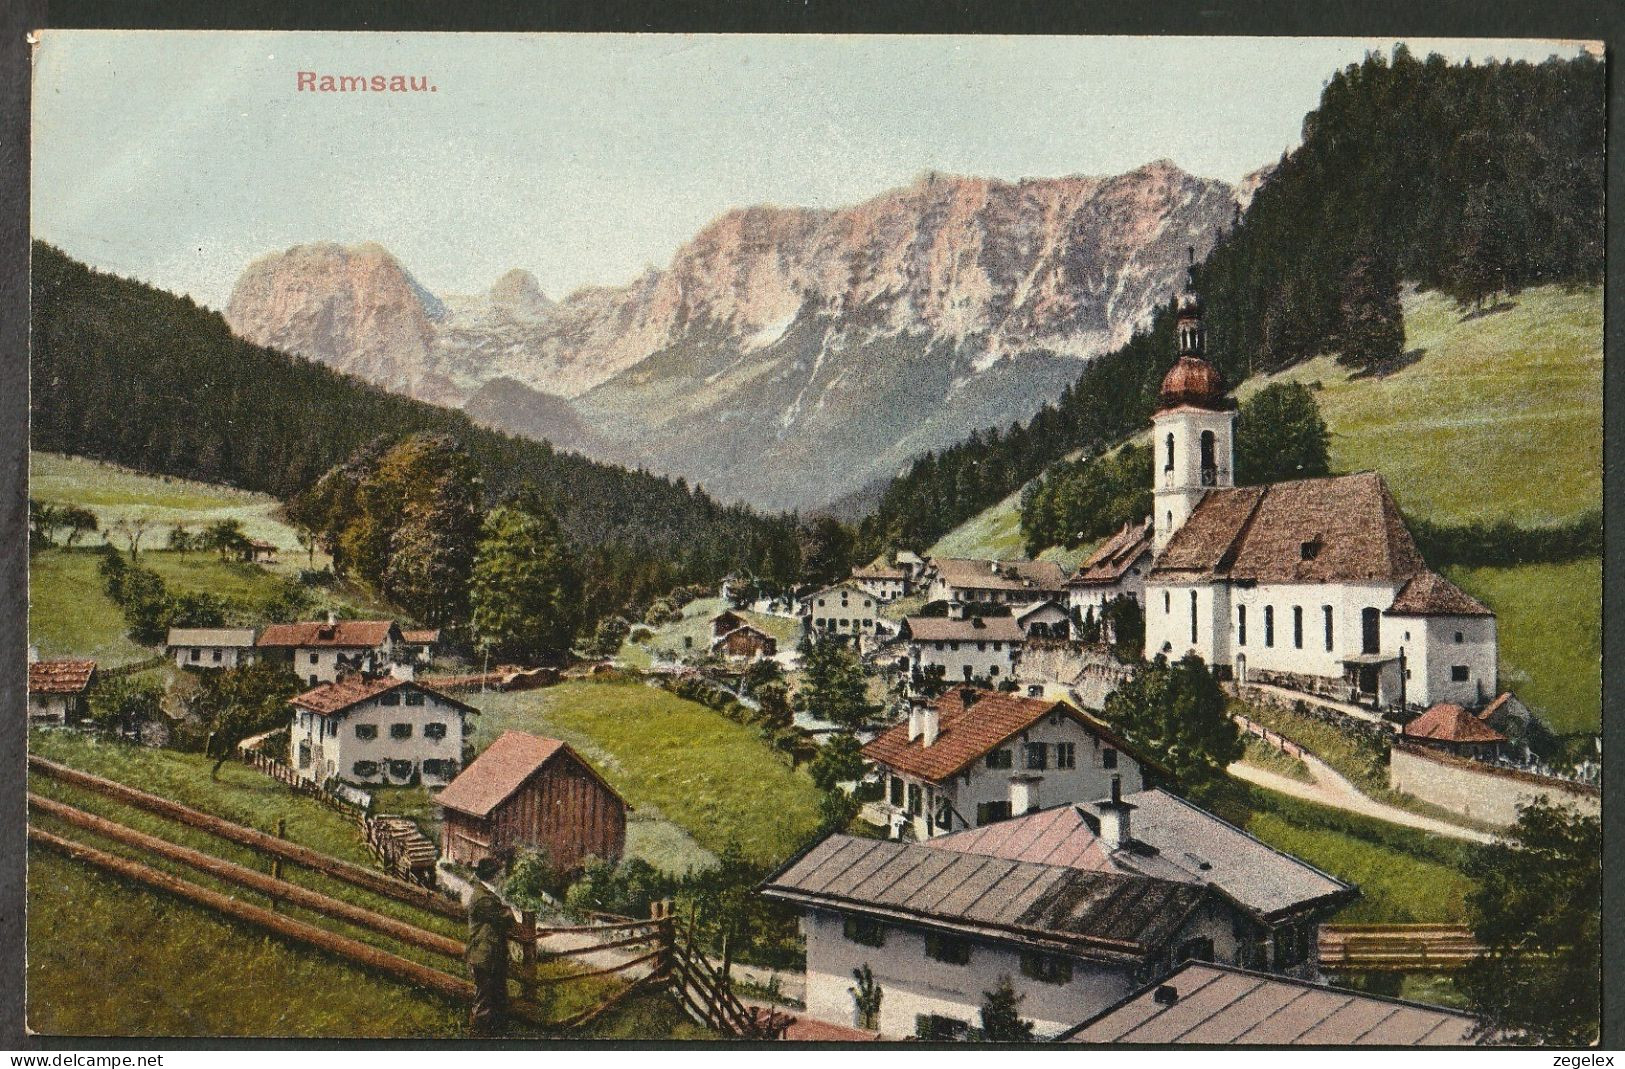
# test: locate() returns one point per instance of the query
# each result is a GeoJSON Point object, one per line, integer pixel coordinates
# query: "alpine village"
{"type": "Point", "coordinates": [1244, 689]}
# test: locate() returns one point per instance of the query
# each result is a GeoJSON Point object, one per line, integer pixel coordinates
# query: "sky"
{"type": "Point", "coordinates": [179, 157]}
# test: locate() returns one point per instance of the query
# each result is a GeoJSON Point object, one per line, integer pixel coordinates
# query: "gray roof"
{"type": "Point", "coordinates": [1221, 1005]}
{"type": "Point", "coordinates": [972, 629]}
{"type": "Point", "coordinates": [211, 636]}
{"type": "Point", "coordinates": [1093, 914]}
{"type": "Point", "coordinates": [1171, 840]}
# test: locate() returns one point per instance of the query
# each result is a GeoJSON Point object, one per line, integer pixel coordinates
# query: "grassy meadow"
{"type": "Point", "coordinates": [712, 779]}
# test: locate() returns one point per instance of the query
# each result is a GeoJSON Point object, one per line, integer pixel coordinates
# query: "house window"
{"type": "Point", "coordinates": [313, 681]}
{"type": "Point", "coordinates": [1291, 945]}
{"type": "Point", "coordinates": [1046, 968]}
{"type": "Point", "coordinates": [1326, 612]}
{"type": "Point", "coordinates": [1458, 637]}
{"type": "Point", "coordinates": [1066, 755]}
{"type": "Point", "coordinates": [400, 769]}
{"type": "Point", "coordinates": [896, 791]}
{"type": "Point", "coordinates": [440, 768]}
{"type": "Point", "coordinates": [1269, 625]}
{"type": "Point", "coordinates": [219, 654]}
{"type": "Point", "coordinates": [936, 1027]}
{"type": "Point", "coordinates": [953, 646]}
{"type": "Point", "coordinates": [947, 948]}
{"type": "Point", "coordinates": [864, 930]}
{"type": "Point", "coordinates": [1193, 616]}
{"type": "Point", "coordinates": [915, 805]}
{"type": "Point", "coordinates": [365, 768]}
{"type": "Point", "coordinates": [414, 697]}
{"type": "Point", "coordinates": [304, 754]}
{"type": "Point", "coordinates": [436, 730]}
{"type": "Point", "coordinates": [992, 812]}
{"type": "Point", "coordinates": [1167, 603]}
{"type": "Point", "coordinates": [1198, 949]}
{"type": "Point", "coordinates": [1038, 756]}
{"type": "Point", "coordinates": [999, 758]}
{"type": "Point", "coordinates": [197, 654]}
{"type": "Point", "coordinates": [400, 731]}
{"type": "Point", "coordinates": [1108, 758]}
{"type": "Point", "coordinates": [313, 659]}
{"type": "Point", "coordinates": [1241, 625]}
{"type": "Point", "coordinates": [1297, 627]}
{"type": "Point", "coordinates": [366, 731]}
{"type": "Point", "coordinates": [1458, 673]}
{"type": "Point", "coordinates": [992, 670]}
{"type": "Point", "coordinates": [392, 698]}
{"type": "Point", "coordinates": [981, 647]}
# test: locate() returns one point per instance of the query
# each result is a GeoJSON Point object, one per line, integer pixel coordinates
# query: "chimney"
{"type": "Point", "coordinates": [332, 618]}
{"type": "Point", "coordinates": [1166, 995]}
{"type": "Point", "coordinates": [1114, 817]}
{"type": "Point", "coordinates": [928, 724]}
{"type": "Point", "coordinates": [914, 726]}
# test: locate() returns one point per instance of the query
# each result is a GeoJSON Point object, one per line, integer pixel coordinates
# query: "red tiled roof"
{"type": "Point", "coordinates": [1108, 563]}
{"type": "Point", "coordinates": [330, 698]}
{"type": "Point", "coordinates": [1431, 594]}
{"type": "Point", "coordinates": [975, 629]}
{"type": "Point", "coordinates": [965, 733]}
{"type": "Point", "coordinates": [1339, 529]}
{"type": "Point", "coordinates": [502, 769]}
{"type": "Point", "coordinates": [347, 634]}
{"type": "Point", "coordinates": [1449, 722]}
{"type": "Point", "coordinates": [59, 677]}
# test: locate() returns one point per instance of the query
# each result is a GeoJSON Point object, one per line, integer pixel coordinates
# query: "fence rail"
{"type": "Point", "coordinates": [1405, 948]}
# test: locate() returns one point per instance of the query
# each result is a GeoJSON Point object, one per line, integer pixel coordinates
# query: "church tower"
{"type": "Point", "coordinates": [1194, 425]}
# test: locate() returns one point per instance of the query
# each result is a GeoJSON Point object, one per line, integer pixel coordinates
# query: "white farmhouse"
{"type": "Point", "coordinates": [985, 648]}
{"type": "Point", "coordinates": [322, 652]}
{"type": "Point", "coordinates": [383, 731]}
{"type": "Point", "coordinates": [1314, 584]}
{"type": "Point", "coordinates": [886, 582]}
{"type": "Point", "coordinates": [963, 582]}
{"type": "Point", "coordinates": [1044, 619]}
{"type": "Point", "coordinates": [844, 609]}
{"type": "Point", "coordinates": [975, 757]}
{"type": "Point", "coordinates": [210, 647]}
{"type": "Point", "coordinates": [938, 928]}
{"type": "Point", "coordinates": [1116, 569]}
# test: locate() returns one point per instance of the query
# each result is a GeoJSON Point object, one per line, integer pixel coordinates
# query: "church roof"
{"type": "Point", "coordinates": [1340, 529]}
{"type": "Point", "coordinates": [1431, 594]}
{"type": "Point", "coordinates": [1192, 381]}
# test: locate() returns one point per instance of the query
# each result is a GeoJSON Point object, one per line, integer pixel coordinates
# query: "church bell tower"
{"type": "Point", "coordinates": [1194, 425]}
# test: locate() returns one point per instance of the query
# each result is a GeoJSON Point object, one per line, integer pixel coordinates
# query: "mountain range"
{"type": "Point", "coordinates": [787, 357]}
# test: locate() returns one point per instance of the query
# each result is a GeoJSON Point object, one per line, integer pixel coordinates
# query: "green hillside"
{"type": "Point", "coordinates": [1498, 417]}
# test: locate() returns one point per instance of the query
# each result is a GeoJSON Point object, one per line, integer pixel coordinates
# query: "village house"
{"type": "Point", "coordinates": [1045, 619]}
{"type": "Point", "coordinates": [975, 757]}
{"type": "Point", "coordinates": [529, 792]}
{"type": "Point", "coordinates": [1116, 569]}
{"type": "Point", "coordinates": [321, 652]}
{"type": "Point", "coordinates": [1452, 729]}
{"type": "Point", "coordinates": [887, 583]}
{"type": "Point", "coordinates": [1315, 584]}
{"type": "Point", "coordinates": [913, 565]}
{"type": "Point", "coordinates": [747, 642]}
{"type": "Point", "coordinates": [978, 648]}
{"type": "Point", "coordinates": [1280, 900]}
{"type": "Point", "coordinates": [1208, 1004]}
{"type": "Point", "coordinates": [388, 731]}
{"type": "Point", "coordinates": [964, 583]}
{"type": "Point", "coordinates": [259, 551]}
{"type": "Point", "coordinates": [938, 928]}
{"type": "Point", "coordinates": [844, 609]}
{"type": "Point", "coordinates": [210, 647]}
{"type": "Point", "coordinates": [725, 621]}
{"type": "Point", "coordinates": [57, 690]}
{"type": "Point", "coordinates": [418, 645]}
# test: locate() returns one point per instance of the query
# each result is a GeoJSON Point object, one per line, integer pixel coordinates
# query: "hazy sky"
{"type": "Point", "coordinates": [178, 157]}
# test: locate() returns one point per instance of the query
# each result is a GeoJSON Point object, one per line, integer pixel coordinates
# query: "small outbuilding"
{"type": "Point", "coordinates": [746, 643]}
{"type": "Point", "coordinates": [57, 690]}
{"type": "Point", "coordinates": [1449, 727]}
{"type": "Point", "coordinates": [526, 791]}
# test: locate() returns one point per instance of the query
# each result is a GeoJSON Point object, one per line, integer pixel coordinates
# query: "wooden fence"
{"type": "Point", "coordinates": [1403, 948]}
{"type": "Point", "coordinates": [353, 803]}
{"type": "Point", "coordinates": [1274, 738]}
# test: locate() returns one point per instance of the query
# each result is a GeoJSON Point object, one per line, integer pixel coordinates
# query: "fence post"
{"type": "Point", "coordinates": [527, 954]}
{"type": "Point", "coordinates": [276, 862]}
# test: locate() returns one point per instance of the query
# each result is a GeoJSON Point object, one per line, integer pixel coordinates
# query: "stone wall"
{"type": "Point", "coordinates": [1481, 791]}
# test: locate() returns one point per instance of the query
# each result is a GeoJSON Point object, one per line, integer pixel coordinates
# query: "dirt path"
{"type": "Point", "coordinates": [1331, 788]}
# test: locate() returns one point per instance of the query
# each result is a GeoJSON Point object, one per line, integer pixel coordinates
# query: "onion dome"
{"type": "Point", "coordinates": [1192, 381]}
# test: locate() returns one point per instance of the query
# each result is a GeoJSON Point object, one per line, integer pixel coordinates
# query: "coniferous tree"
{"type": "Point", "coordinates": [1372, 331]}
{"type": "Point", "coordinates": [1001, 1015]}
{"type": "Point", "coordinates": [1280, 436]}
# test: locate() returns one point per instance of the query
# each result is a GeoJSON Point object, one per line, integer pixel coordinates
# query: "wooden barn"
{"type": "Point", "coordinates": [746, 643]}
{"type": "Point", "coordinates": [525, 791]}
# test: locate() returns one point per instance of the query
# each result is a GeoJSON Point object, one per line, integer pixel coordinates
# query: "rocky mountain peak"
{"type": "Point", "coordinates": [518, 295]}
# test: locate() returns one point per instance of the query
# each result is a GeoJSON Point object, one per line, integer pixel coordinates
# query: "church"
{"type": "Point", "coordinates": [1314, 584]}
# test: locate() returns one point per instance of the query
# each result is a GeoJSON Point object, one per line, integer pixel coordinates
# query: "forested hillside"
{"type": "Point", "coordinates": [131, 374]}
{"type": "Point", "coordinates": [1474, 180]}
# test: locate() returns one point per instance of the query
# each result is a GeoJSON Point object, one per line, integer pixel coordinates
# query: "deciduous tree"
{"type": "Point", "coordinates": [1177, 713]}
{"type": "Point", "coordinates": [524, 591]}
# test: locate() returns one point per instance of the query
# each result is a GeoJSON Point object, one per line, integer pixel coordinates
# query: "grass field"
{"type": "Point", "coordinates": [1404, 876]}
{"type": "Point", "coordinates": [1260, 754]}
{"type": "Point", "coordinates": [1549, 621]}
{"type": "Point", "coordinates": [113, 493]}
{"type": "Point", "coordinates": [1500, 418]}
{"type": "Point", "coordinates": [71, 615]}
{"type": "Point", "coordinates": [715, 779]}
{"type": "Point", "coordinates": [691, 636]}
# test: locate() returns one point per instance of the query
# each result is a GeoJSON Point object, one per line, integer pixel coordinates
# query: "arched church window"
{"type": "Point", "coordinates": [1169, 466]}
{"type": "Point", "coordinates": [1210, 465]}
